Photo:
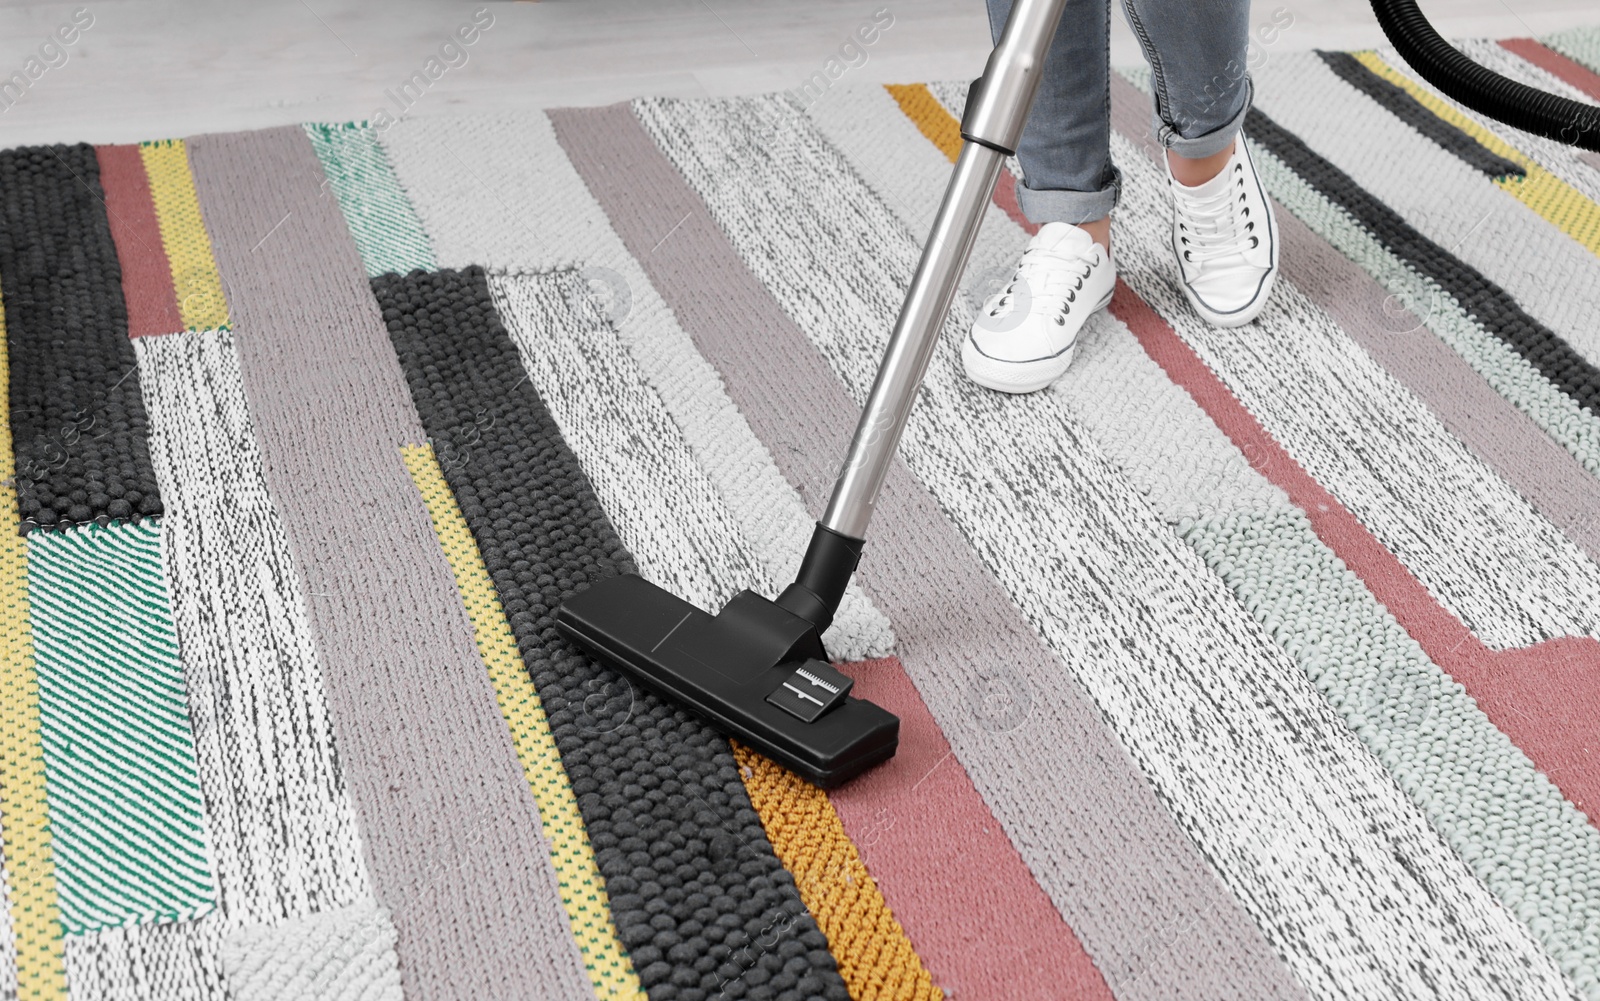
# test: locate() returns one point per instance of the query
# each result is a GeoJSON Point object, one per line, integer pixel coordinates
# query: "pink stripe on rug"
{"type": "Point", "coordinates": [924, 869]}
{"type": "Point", "coordinates": [1556, 64]}
{"type": "Point", "coordinates": [146, 273]}
{"type": "Point", "coordinates": [1545, 697]}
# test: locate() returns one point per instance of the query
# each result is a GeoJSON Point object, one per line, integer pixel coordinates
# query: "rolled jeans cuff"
{"type": "Point", "coordinates": [1214, 141]}
{"type": "Point", "coordinates": [1075, 207]}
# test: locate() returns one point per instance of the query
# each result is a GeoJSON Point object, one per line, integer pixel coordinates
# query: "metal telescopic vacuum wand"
{"type": "Point", "coordinates": [997, 108]}
{"type": "Point", "coordinates": [757, 670]}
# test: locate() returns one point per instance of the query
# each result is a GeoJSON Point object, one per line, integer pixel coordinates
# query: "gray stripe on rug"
{"type": "Point", "coordinates": [1504, 437]}
{"type": "Point", "coordinates": [1131, 885]}
{"type": "Point", "coordinates": [453, 838]}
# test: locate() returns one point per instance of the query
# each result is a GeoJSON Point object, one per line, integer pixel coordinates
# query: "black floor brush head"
{"type": "Point", "coordinates": [755, 671]}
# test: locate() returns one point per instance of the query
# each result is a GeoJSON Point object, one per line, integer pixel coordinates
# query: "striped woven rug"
{"type": "Point", "coordinates": [1241, 664]}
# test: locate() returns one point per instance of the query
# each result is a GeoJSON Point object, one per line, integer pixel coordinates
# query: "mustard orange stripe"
{"type": "Point", "coordinates": [195, 281]}
{"type": "Point", "coordinates": [24, 812]}
{"type": "Point", "coordinates": [583, 892]}
{"type": "Point", "coordinates": [875, 957]}
{"type": "Point", "coordinates": [929, 116]}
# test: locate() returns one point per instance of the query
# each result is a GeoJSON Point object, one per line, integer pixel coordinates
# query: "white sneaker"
{"type": "Point", "coordinates": [1023, 338]}
{"type": "Point", "coordinates": [1226, 241]}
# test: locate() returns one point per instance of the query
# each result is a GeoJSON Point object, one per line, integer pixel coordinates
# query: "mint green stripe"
{"type": "Point", "coordinates": [379, 215]}
{"type": "Point", "coordinates": [1578, 44]}
{"type": "Point", "coordinates": [125, 810]}
{"type": "Point", "coordinates": [1532, 848]}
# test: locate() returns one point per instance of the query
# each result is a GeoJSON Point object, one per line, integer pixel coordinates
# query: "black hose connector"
{"type": "Point", "coordinates": [1483, 90]}
{"type": "Point", "coordinates": [818, 588]}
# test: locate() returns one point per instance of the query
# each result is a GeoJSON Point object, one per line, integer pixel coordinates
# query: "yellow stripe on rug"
{"type": "Point", "coordinates": [583, 892]}
{"type": "Point", "coordinates": [195, 280]}
{"type": "Point", "coordinates": [929, 116]}
{"type": "Point", "coordinates": [1558, 202]}
{"type": "Point", "coordinates": [24, 810]}
{"type": "Point", "coordinates": [874, 954]}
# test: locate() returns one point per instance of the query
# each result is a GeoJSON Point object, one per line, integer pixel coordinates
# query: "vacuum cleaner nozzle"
{"type": "Point", "coordinates": [755, 670]}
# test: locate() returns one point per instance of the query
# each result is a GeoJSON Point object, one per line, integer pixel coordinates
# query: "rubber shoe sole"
{"type": "Point", "coordinates": [1021, 377]}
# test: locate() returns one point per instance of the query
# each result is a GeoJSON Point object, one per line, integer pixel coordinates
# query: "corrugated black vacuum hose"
{"type": "Point", "coordinates": [1485, 91]}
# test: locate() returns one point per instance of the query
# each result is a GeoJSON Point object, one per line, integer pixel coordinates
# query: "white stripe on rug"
{"type": "Point", "coordinates": [1349, 880]}
{"type": "Point", "coordinates": [1552, 277]}
{"type": "Point", "coordinates": [351, 959]}
{"type": "Point", "coordinates": [666, 512]}
{"type": "Point", "coordinates": [557, 223]}
{"type": "Point", "coordinates": [341, 955]}
{"type": "Point", "coordinates": [8, 941]}
{"type": "Point", "coordinates": [173, 962]}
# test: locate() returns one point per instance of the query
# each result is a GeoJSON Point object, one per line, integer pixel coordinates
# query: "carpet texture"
{"type": "Point", "coordinates": [1247, 664]}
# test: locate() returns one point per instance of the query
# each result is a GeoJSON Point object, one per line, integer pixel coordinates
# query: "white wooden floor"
{"type": "Point", "coordinates": [155, 68]}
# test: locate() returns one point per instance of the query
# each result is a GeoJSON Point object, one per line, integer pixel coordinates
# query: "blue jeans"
{"type": "Point", "coordinates": [1197, 52]}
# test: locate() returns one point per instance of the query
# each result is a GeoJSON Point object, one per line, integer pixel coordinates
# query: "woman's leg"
{"type": "Point", "coordinates": [1224, 236]}
{"type": "Point", "coordinates": [1065, 152]}
{"type": "Point", "coordinates": [1200, 82]}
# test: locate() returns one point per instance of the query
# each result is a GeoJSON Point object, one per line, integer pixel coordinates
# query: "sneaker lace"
{"type": "Point", "coordinates": [1217, 224]}
{"type": "Point", "coordinates": [1049, 280]}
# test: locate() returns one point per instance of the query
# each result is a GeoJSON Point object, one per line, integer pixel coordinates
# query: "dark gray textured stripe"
{"type": "Point", "coordinates": [452, 834]}
{"type": "Point", "coordinates": [1409, 110]}
{"type": "Point", "coordinates": [77, 416]}
{"type": "Point", "coordinates": [1503, 436]}
{"type": "Point", "coordinates": [1145, 904]}
{"type": "Point", "coordinates": [696, 890]}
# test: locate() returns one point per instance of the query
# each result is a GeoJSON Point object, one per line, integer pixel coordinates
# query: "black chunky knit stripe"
{"type": "Point", "coordinates": [701, 902]}
{"type": "Point", "coordinates": [77, 414]}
